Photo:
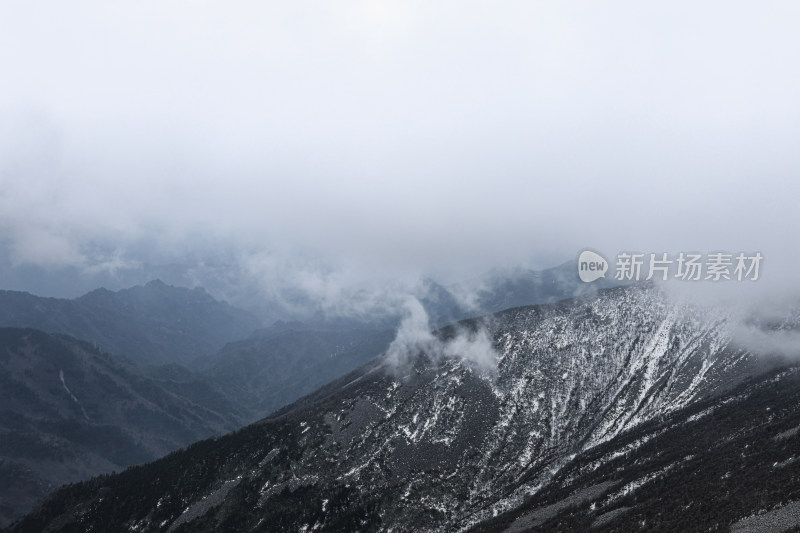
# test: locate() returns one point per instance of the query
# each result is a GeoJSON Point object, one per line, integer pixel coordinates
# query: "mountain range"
{"type": "Point", "coordinates": [150, 324]}
{"type": "Point", "coordinates": [69, 411]}
{"type": "Point", "coordinates": [565, 416]}
{"type": "Point", "coordinates": [195, 366]}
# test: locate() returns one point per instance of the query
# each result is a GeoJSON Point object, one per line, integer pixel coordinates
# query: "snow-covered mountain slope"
{"type": "Point", "coordinates": [725, 463]}
{"type": "Point", "coordinates": [438, 439]}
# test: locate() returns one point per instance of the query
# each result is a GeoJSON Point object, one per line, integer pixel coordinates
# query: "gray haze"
{"type": "Point", "coordinates": [340, 151]}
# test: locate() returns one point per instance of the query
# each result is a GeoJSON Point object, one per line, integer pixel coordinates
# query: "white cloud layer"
{"type": "Point", "coordinates": [414, 337]}
{"type": "Point", "coordinates": [395, 137]}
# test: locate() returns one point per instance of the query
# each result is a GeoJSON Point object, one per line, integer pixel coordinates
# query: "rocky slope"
{"type": "Point", "coordinates": [725, 463]}
{"type": "Point", "coordinates": [445, 432]}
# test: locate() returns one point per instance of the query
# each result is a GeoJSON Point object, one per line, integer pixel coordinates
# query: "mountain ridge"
{"type": "Point", "coordinates": [152, 324]}
{"type": "Point", "coordinates": [438, 443]}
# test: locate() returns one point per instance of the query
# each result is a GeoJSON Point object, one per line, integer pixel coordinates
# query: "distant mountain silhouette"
{"type": "Point", "coordinates": [69, 411]}
{"type": "Point", "coordinates": [153, 324]}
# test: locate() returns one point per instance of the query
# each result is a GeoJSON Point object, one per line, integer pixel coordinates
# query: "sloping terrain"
{"type": "Point", "coordinates": [725, 462]}
{"type": "Point", "coordinates": [69, 411]}
{"type": "Point", "coordinates": [288, 360]}
{"type": "Point", "coordinates": [275, 367]}
{"type": "Point", "coordinates": [438, 441]}
{"type": "Point", "coordinates": [497, 291]}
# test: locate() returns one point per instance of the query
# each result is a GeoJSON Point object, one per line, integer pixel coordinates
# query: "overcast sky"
{"type": "Point", "coordinates": [314, 141]}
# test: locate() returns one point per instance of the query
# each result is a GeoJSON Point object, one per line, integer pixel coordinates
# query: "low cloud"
{"type": "Point", "coordinates": [336, 156]}
{"type": "Point", "coordinates": [414, 338]}
{"type": "Point", "coordinates": [783, 343]}
{"type": "Point", "coordinates": [770, 328]}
